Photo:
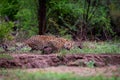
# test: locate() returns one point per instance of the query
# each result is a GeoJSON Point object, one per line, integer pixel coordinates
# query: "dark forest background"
{"type": "Point", "coordinates": [77, 19]}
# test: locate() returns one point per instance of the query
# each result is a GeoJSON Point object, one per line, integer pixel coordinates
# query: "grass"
{"type": "Point", "coordinates": [22, 75]}
{"type": "Point", "coordinates": [89, 47]}
{"type": "Point", "coordinates": [96, 48]}
{"type": "Point", "coordinates": [5, 56]}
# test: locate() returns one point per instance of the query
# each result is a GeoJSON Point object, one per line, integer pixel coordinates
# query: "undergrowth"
{"type": "Point", "coordinates": [96, 48]}
{"type": "Point", "coordinates": [22, 75]}
{"type": "Point", "coordinates": [5, 56]}
{"type": "Point", "coordinates": [88, 48]}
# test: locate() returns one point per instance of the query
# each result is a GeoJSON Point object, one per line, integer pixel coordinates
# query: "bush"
{"type": "Point", "coordinates": [79, 17]}
{"type": "Point", "coordinates": [27, 17]}
{"type": "Point", "coordinates": [5, 31]}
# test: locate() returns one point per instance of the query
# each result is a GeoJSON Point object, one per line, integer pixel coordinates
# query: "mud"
{"type": "Point", "coordinates": [29, 60]}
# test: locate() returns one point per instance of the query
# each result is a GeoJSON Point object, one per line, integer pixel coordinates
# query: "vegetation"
{"type": "Point", "coordinates": [83, 19]}
{"type": "Point", "coordinates": [94, 22]}
{"type": "Point", "coordinates": [22, 75]}
{"type": "Point", "coordinates": [80, 18]}
{"type": "Point", "coordinates": [95, 48]}
{"type": "Point", "coordinates": [5, 30]}
{"type": "Point", "coordinates": [88, 47]}
{"type": "Point", "coordinates": [6, 56]}
{"type": "Point", "coordinates": [106, 47]}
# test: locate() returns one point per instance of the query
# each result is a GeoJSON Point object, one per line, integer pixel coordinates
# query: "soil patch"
{"type": "Point", "coordinates": [41, 61]}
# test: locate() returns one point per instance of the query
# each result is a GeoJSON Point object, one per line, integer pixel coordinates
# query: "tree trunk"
{"type": "Point", "coordinates": [42, 17]}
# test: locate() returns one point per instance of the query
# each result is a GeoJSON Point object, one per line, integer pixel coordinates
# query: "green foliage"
{"type": "Point", "coordinates": [23, 11]}
{"type": "Point", "coordinates": [5, 56]}
{"type": "Point", "coordinates": [5, 31]}
{"type": "Point", "coordinates": [95, 48]}
{"type": "Point", "coordinates": [56, 11]}
{"type": "Point", "coordinates": [115, 16]}
{"type": "Point", "coordinates": [90, 64]}
{"type": "Point", "coordinates": [27, 15]}
{"type": "Point", "coordinates": [22, 75]}
{"type": "Point", "coordinates": [69, 16]}
{"type": "Point", "coordinates": [65, 17]}
{"type": "Point", "coordinates": [9, 8]}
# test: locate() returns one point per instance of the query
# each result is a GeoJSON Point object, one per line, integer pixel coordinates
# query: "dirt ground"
{"type": "Point", "coordinates": [28, 60]}
{"type": "Point", "coordinates": [78, 64]}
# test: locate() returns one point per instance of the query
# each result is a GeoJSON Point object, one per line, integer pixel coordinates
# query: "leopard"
{"type": "Point", "coordinates": [47, 43]}
{"type": "Point", "coordinates": [61, 43]}
{"type": "Point", "coordinates": [37, 42]}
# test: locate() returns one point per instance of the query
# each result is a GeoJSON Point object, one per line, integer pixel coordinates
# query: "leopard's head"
{"type": "Point", "coordinates": [68, 45]}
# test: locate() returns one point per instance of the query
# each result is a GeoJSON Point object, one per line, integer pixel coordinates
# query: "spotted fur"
{"type": "Point", "coordinates": [40, 42]}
